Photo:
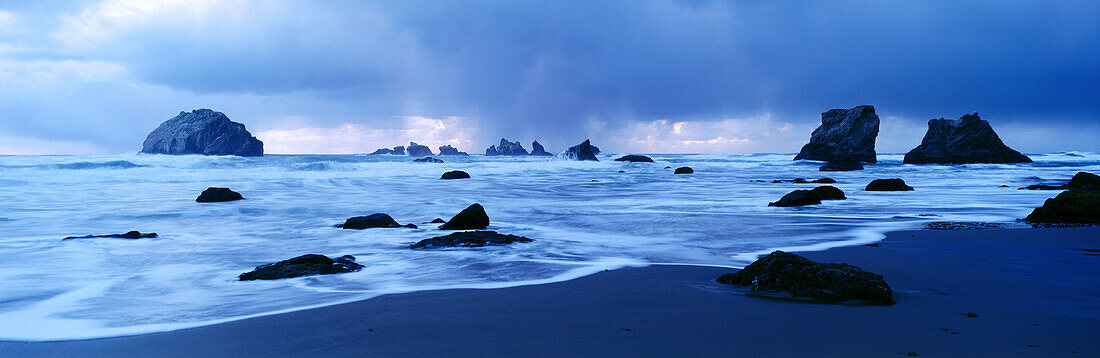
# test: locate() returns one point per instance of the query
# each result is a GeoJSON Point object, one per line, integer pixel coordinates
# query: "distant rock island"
{"type": "Point", "coordinates": [968, 139]}
{"type": "Point", "coordinates": [202, 131]}
{"type": "Point", "coordinates": [506, 148]}
{"type": "Point", "coordinates": [844, 134]}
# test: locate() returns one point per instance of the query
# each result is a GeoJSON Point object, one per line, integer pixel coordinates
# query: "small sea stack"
{"type": "Point", "coordinates": [844, 134]}
{"type": "Point", "coordinates": [537, 149]}
{"type": "Point", "coordinates": [418, 150]}
{"type": "Point", "coordinates": [305, 265]}
{"type": "Point", "coordinates": [506, 148]}
{"type": "Point", "coordinates": [472, 217]}
{"type": "Point", "coordinates": [968, 139]}
{"type": "Point", "coordinates": [788, 276]}
{"type": "Point", "coordinates": [449, 150]}
{"type": "Point", "coordinates": [215, 195]}
{"type": "Point", "coordinates": [205, 132]}
{"type": "Point", "coordinates": [583, 151]}
{"type": "Point", "coordinates": [428, 160]}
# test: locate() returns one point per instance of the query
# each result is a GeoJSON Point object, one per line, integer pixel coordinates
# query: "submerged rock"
{"type": "Point", "coordinates": [506, 148]}
{"type": "Point", "coordinates": [780, 274]}
{"type": "Point", "coordinates": [828, 192]}
{"type": "Point", "coordinates": [968, 139]}
{"type": "Point", "coordinates": [214, 195]}
{"type": "Point", "coordinates": [683, 170]}
{"type": "Point", "coordinates": [449, 150]}
{"type": "Point", "coordinates": [841, 165]}
{"type": "Point", "coordinates": [1075, 206]}
{"type": "Point", "coordinates": [537, 149]}
{"type": "Point", "coordinates": [797, 198]}
{"type": "Point", "coordinates": [428, 160]}
{"type": "Point", "coordinates": [372, 221]}
{"type": "Point", "coordinates": [583, 151]}
{"type": "Point", "coordinates": [455, 174]}
{"type": "Point", "coordinates": [202, 131]}
{"type": "Point", "coordinates": [418, 150]}
{"type": "Point", "coordinates": [472, 217]}
{"type": "Point", "coordinates": [844, 133]}
{"type": "Point", "coordinates": [469, 239]}
{"type": "Point", "coordinates": [888, 185]}
{"type": "Point", "coordinates": [128, 235]}
{"type": "Point", "coordinates": [634, 159]}
{"type": "Point", "coordinates": [305, 265]}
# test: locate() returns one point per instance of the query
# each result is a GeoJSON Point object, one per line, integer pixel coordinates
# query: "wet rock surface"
{"type": "Point", "coordinates": [472, 217]}
{"type": "Point", "coordinates": [968, 139]}
{"type": "Point", "coordinates": [1074, 206]}
{"type": "Point", "coordinates": [205, 132]}
{"type": "Point", "coordinates": [844, 133]}
{"type": "Point", "coordinates": [305, 265]}
{"type": "Point", "coordinates": [785, 275]}
{"type": "Point", "coordinates": [469, 239]}
{"type": "Point", "coordinates": [215, 195]}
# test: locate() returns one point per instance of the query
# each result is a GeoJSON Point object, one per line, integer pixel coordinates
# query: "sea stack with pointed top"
{"type": "Point", "coordinates": [844, 133]}
{"type": "Point", "coordinates": [583, 151]}
{"type": "Point", "coordinates": [506, 148]}
{"type": "Point", "coordinates": [537, 149]}
{"type": "Point", "coordinates": [968, 139]}
{"type": "Point", "coordinates": [202, 131]}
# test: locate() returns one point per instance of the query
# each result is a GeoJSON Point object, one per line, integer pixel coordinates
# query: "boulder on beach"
{"type": "Point", "coordinates": [828, 192]}
{"type": "Point", "coordinates": [418, 150]}
{"type": "Point", "coordinates": [214, 195]}
{"type": "Point", "coordinates": [785, 275]}
{"type": "Point", "coordinates": [469, 239]}
{"type": "Point", "coordinates": [841, 165]}
{"type": "Point", "coordinates": [428, 160]}
{"type": "Point", "coordinates": [797, 198]}
{"type": "Point", "coordinates": [583, 151]}
{"type": "Point", "coordinates": [372, 221]}
{"type": "Point", "coordinates": [128, 235]}
{"type": "Point", "coordinates": [472, 217]}
{"type": "Point", "coordinates": [633, 158]}
{"type": "Point", "coordinates": [844, 133]}
{"type": "Point", "coordinates": [683, 170]}
{"type": "Point", "coordinates": [455, 174]}
{"type": "Point", "coordinates": [506, 148]}
{"type": "Point", "coordinates": [1074, 206]}
{"type": "Point", "coordinates": [449, 150]}
{"type": "Point", "coordinates": [888, 185]}
{"type": "Point", "coordinates": [305, 265]}
{"type": "Point", "coordinates": [968, 139]}
{"type": "Point", "coordinates": [537, 149]}
{"type": "Point", "coordinates": [202, 131]}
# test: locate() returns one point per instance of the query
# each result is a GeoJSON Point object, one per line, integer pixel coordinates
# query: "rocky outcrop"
{"type": "Point", "coordinates": [398, 150]}
{"type": "Point", "coordinates": [583, 151]}
{"type": "Point", "coordinates": [455, 174]}
{"type": "Point", "coordinates": [684, 170]}
{"type": "Point", "coordinates": [968, 139]}
{"type": "Point", "coordinates": [214, 195]}
{"type": "Point", "coordinates": [506, 148]}
{"type": "Point", "coordinates": [449, 150]}
{"type": "Point", "coordinates": [382, 151]}
{"type": "Point", "coordinates": [785, 275]}
{"type": "Point", "coordinates": [469, 239]}
{"type": "Point", "coordinates": [1082, 180]}
{"type": "Point", "coordinates": [841, 165]}
{"type": "Point", "coordinates": [844, 133]}
{"type": "Point", "coordinates": [888, 185]}
{"type": "Point", "coordinates": [202, 131]}
{"type": "Point", "coordinates": [470, 218]}
{"type": "Point", "coordinates": [428, 160]}
{"type": "Point", "coordinates": [633, 158]}
{"type": "Point", "coordinates": [1074, 206]}
{"type": "Point", "coordinates": [372, 221]}
{"type": "Point", "coordinates": [305, 265]}
{"type": "Point", "coordinates": [828, 192]}
{"type": "Point", "coordinates": [797, 198]}
{"type": "Point", "coordinates": [128, 235]}
{"type": "Point", "coordinates": [537, 149]}
{"type": "Point", "coordinates": [418, 150]}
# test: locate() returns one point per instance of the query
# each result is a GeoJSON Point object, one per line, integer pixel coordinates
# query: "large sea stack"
{"type": "Point", "coordinates": [844, 133]}
{"type": "Point", "coordinates": [418, 150]}
{"type": "Point", "coordinates": [506, 148]}
{"type": "Point", "coordinates": [202, 131]}
{"type": "Point", "coordinates": [968, 139]}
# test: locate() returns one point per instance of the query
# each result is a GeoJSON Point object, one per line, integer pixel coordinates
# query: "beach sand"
{"type": "Point", "coordinates": [1036, 293]}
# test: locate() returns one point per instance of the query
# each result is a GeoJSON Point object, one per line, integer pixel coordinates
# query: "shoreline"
{"type": "Point", "coordinates": [1014, 279]}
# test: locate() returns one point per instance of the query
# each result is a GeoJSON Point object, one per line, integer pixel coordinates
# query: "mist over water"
{"type": "Point", "coordinates": [584, 217]}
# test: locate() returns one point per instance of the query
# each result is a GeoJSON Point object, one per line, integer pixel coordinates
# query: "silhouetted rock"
{"type": "Point", "coordinates": [506, 148]}
{"type": "Point", "coordinates": [398, 150]}
{"type": "Point", "coordinates": [797, 198]}
{"type": "Point", "coordinates": [683, 170]}
{"type": "Point", "coordinates": [418, 150]}
{"type": "Point", "coordinates": [383, 151]}
{"type": "Point", "coordinates": [202, 131]}
{"type": "Point", "coordinates": [841, 165]}
{"type": "Point", "coordinates": [449, 150]}
{"type": "Point", "coordinates": [372, 221]}
{"type": "Point", "coordinates": [828, 192]}
{"type": "Point", "coordinates": [437, 221]}
{"type": "Point", "coordinates": [844, 133]}
{"type": "Point", "coordinates": [128, 235]}
{"type": "Point", "coordinates": [968, 139]}
{"type": "Point", "coordinates": [537, 149]}
{"type": "Point", "coordinates": [634, 159]}
{"type": "Point", "coordinates": [1046, 187]}
{"type": "Point", "coordinates": [305, 265]}
{"type": "Point", "coordinates": [824, 181]}
{"type": "Point", "coordinates": [455, 174]}
{"type": "Point", "coordinates": [1084, 181]}
{"type": "Point", "coordinates": [428, 160]}
{"type": "Point", "coordinates": [214, 195]}
{"type": "Point", "coordinates": [583, 151]}
{"type": "Point", "coordinates": [469, 239]}
{"type": "Point", "coordinates": [1074, 206]}
{"type": "Point", "coordinates": [888, 185]}
{"type": "Point", "coordinates": [470, 218]}
{"type": "Point", "coordinates": [783, 275]}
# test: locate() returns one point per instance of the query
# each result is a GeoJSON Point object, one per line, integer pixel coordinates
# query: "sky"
{"type": "Point", "coordinates": [94, 77]}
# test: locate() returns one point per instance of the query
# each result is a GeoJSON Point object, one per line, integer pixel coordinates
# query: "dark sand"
{"type": "Point", "coordinates": [1036, 293]}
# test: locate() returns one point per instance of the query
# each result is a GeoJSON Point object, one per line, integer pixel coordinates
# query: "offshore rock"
{"type": "Point", "coordinates": [844, 133]}
{"type": "Point", "coordinates": [202, 131]}
{"type": "Point", "coordinates": [398, 150]}
{"type": "Point", "coordinates": [1074, 206]}
{"type": "Point", "coordinates": [683, 170]}
{"type": "Point", "coordinates": [305, 265]}
{"type": "Point", "coordinates": [968, 139]}
{"type": "Point", "coordinates": [372, 221]}
{"type": "Point", "coordinates": [506, 148]}
{"type": "Point", "coordinates": [841, 165]}
{"type": "Point", "coordinates": [455, 174]}
{"type": "Point", "coordinates": [780, 274]}
{"type": "Point", "coordinates": [1084, 181]}
{"type": "Point", "coordinates": [828, 192]}
{"type": "Point", "coordinates": [634, 159]}
{"type": "Point", "coordinates": [215, 195]}
{"type": "Point", "coordinates": [470, 218]}
{"type": "Point", "coordinates": [537, 149]}
{"type": "Point", "coordinates": [469, 239]}
{"type": "Point", "coordinates": [583, 151]}
{"type": "Point", "coordinates": [797, 198]}
{"type": "Point", "coordinates": [888, 185]}
{"type": "Point", "coordinates": [418, 150]}
{"type": "Point", "coordinates": [449, 150]}
{"type": "Point", "coordinates": [128, 235]}
{"type": "Point", "coordinates": [382, 151]}
{"type": "Point", "coordinates": [428, 160]}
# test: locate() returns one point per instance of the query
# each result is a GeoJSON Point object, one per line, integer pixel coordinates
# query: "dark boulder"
{"type": "Point", "coordinates": [797, 198]}
{"type": "Point", "coordinates": [438, 221]}
{"type": "Point", "coordinates": [428, 160]}
{"type": "Point", "coordinates": [305, 265]}
{"type": "Point", "coordinates": [455, 174]}
{"type": "Point", "coordinates": [1074, 206]}
{"type": "Point", "coordinates": [841, 165]}
{"type": "Point", "coordinates": [683, 170]}
{"type": "Point", "coordinates": [537, 149]}
{"type": "Point", "coordinates": [1046, 187]}
{"type": "Point", "coordinates": [418, 150]}
{"type": "Point", "coordinates": [398, 150]}
{"type": "Point", "coordinates": [583, 151]}
{"type": "Point", "coordinates": [470, 218]}
{"type": "Point", "coordinates": [1084, 181]}
{"type": "Point", "coordinates": [449, 150]}
{"type": "Point", "coordinates": [469, 239]}
{"type": "Point", "coordinates": [828, 192]}
{"type": "Point", "coordinates": [382, 151]}
{"type": "Point", "coordinates": [968, 139]}
{"type": "Point", "coordinates": [205, 132]}
{"type": "Point", "coordinates": [844, 133]}
{"type": "Point", "coordinates": [824, 181]}
{"type": "Point", "coordinates": [214, 195]}
{"type": "Point", "coordinates": [782, 275]}
{"type": "Point", "coordinates": [372, 221]}
{"type": "Point", "coordinates": [888, 185]}
{"type": "Point", "coordinates": [634, 159]}
{"type": "Point", "coordinates": [128, 235]}
{"type": "Point", "coordinates": [506, 148]}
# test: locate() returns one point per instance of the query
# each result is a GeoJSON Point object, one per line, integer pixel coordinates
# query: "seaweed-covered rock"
{"type": "Point", "coordinates": [418, 150]}
{"type": "Point", "coordinates": [828, 192]}
{"type": "Point", "coordinates": [372, 221]}
{"type": "Point", "coordinates": [202, 131]}
{"type": "Point", "coordinates": [469, 239]}
{"type": "Point", "coordinates": [797, 198]}
{"type": "Point", "coordinates": [844, 133]}
{"type": "Point", "coordinates": [537, 149]}
{"type": "Point", "coordinates": [841, 165]}
{"type": "Point", "coordinates": [683, 170]}
{"type": "Point", "coordinates": [1074, 206]}
{"type": "Point", "coordinates": [128, 235]}
{"type": "Point", "coordinates": [214, 195]}
{"type": "Point", "coordinates": [455, 174]}
{"type": "Point", "coordinates": [888, 185]}
{"type": "Point", "coordinates": [633, 158]}
{"type": "Point", "coordinates": [968, 139]}
{"type": "Point", "coordinates": [305, 265]}
{"type": "Point", "coordinates": [583, 151]}
{"type": "Point", "coordinates": [472, 217]}
{"type": "Point", "coordinates": [506, 148]}
{"type": "Point", "coordinates": [428, 160]}
{"type": "Point", "coordinates": [449, 150]}
{"type": "Point", "coordinates": [780, 274]}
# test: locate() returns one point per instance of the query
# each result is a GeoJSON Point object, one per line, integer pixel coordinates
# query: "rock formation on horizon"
{"type": "Point", "coordinates": [418, 150]}
{"type": "Point", "coordinates": [844, 133]}
{"type": "Point", "coordinates": [202, 131]}
{"type": "Point", "coordinates": [506, 148]}
{"type": "Point", "coordinates": [968, 139]}
{"type": "Point", "coordinates": [583, 151]}
{"type": "Point", "coordinates": [449, 150]}
{"type": "Point", "coordinates": [537, 149]}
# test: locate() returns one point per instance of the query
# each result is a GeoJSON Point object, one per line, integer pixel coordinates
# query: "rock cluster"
{"type": "Point", "coordinates": [844, 133]}
{"type": "Point", "coordinates": [377, 220]}
{"type": "Point", "coordinates": [785, 275]}
{"type": "Point", "coordinates": [449, 150]}
{"type": "Point", "coordinates": [968, 139]}
{"type": "Point", "coordinates": [305, 265]}
{"type": "Point", "coordinates": [469, 239]}
{"type": "Point", "coordinates": [214, 195]}
{"type": "Point", "coordinates": [506, 148]}
{"type": "Point", "coordinates": [1078, 205]}
{"type": "Point", "coordinates": [202, 131]}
